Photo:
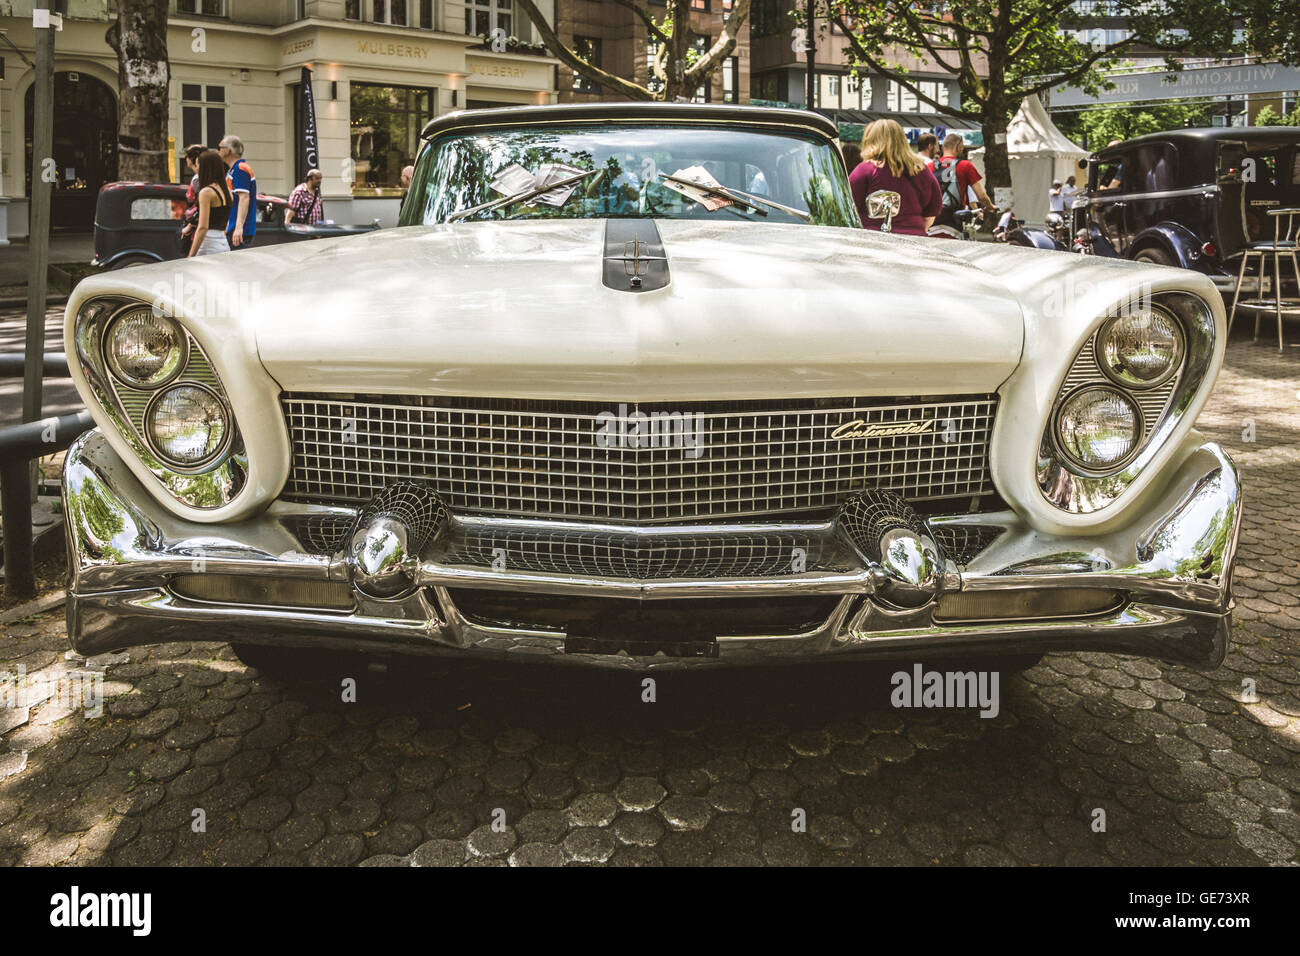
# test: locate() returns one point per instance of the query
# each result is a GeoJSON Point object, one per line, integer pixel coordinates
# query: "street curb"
{"type": "Point", "coordinates": [39, 606]}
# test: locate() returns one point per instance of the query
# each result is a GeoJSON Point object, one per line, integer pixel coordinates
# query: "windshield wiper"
{"type": "Point", "coordinates": [531, 193]}
{"type": "Point", "coordinates": [739, 197]}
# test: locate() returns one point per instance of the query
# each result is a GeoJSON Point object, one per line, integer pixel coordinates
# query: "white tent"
{"type": "Point", "coordinates": [1039, 153]}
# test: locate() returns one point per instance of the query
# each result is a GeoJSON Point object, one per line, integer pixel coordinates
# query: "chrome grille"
{"type": "Point", "coordinates": [542, 459]}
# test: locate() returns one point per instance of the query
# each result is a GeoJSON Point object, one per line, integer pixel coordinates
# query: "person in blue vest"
{"type": "Point", "coordinates": [242, 183]}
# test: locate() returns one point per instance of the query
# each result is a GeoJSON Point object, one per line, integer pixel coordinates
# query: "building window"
{"type": "Point", "coordinates": [731, 80]}
{"type": "Point", "coordinates": [587, 50]}
{"type": "Point", "coordinates": [765, 86]}
{"type": "Point", "coordinates": [386, 123]}
{"type": "Point", "coordinates": [700, 5]}
{"type": "Point", "coordinates": [426, 14]}
{"type": "Point", "coordinates": [484, 16]}
{"type": "Point", "coordinates": [701, 46]}
{"type": "Point", "coordinates": [765, 17]}
{"type": "Point", "coordinates": [206, 8]}
{"type": "Point", "coordinates": [203, 120]}
{"type": "Point", "coordinates": [391, 12]}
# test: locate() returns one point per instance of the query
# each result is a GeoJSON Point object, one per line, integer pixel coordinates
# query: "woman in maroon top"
{"type": "Point", "coordinates": [889, 163]}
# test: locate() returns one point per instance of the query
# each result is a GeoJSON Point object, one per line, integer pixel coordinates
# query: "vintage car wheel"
{"type": "Point", "coordinates": [1156, 256]}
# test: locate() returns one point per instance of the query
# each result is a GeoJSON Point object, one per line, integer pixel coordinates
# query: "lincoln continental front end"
{"type": "Point", "coordinates": [630, 385]}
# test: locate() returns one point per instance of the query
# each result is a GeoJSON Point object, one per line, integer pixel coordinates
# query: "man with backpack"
{"type": "Point", "coordinates": [956, 176]}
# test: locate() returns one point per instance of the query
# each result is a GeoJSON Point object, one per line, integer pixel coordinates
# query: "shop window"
{"type": "Point", "coordinates": [588, 50]}
{"type": "Point", "coordinates": [386, 122]}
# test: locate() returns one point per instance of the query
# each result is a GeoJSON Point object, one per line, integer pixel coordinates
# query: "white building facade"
{"type": "Point", "coordinates": [380, 70]}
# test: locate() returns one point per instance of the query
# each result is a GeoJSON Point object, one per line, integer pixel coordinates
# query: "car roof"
{"type": "Point", "coordinates": [1206, 135]}
{"type": "Point", "coordinates": [804, 120]}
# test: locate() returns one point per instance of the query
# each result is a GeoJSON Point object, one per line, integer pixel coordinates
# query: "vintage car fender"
{"type": "Point", "coordinates": [1064, 299]}
{"type": "Point", "coordinates": [1033, 238]}
{"type": "Point", "coordinates": [193, 291]}
{"type": "Point", "coordinates": [1173, 238]}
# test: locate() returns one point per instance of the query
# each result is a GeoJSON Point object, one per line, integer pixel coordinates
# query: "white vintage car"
{"type": "Point", "coordinates": [630, 385]}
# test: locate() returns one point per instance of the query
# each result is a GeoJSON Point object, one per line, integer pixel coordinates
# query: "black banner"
{"type": "Point", "coordinates": [309, 157]}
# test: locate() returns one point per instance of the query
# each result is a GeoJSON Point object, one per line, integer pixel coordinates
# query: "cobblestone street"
{"type": "Point", "coordinates": [582, 771]}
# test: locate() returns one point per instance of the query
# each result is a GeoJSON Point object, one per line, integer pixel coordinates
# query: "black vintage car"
{"type": "Point", "coordinates": [1189, 197]}
{"type": "Point", "coordinates": [137, 223]}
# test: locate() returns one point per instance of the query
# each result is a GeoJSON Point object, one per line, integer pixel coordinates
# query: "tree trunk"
{"type": "Point", "coordinates": [140, 40]}
{"type": "Point", "coordinates": [679, 43]}
{"type": "Point", "coordinates": [997, 165]}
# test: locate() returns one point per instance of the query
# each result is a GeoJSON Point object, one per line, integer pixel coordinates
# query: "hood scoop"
{"type": "Point", "coordinates": [634, 256]}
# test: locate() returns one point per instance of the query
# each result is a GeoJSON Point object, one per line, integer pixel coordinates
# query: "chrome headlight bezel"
{"type": "Point", "coordinates": [1079, 465]}
{"type": "Point", "coordinates": [1108, 328]}
{"type": "Point", "coordinates": [180, 467]}
{"type": "Point", "coordinates": [181, 350]}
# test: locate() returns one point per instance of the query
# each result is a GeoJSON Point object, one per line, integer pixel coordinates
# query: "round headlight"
{"type": "Point", "coordinates": [1098, 427]}
{"type": "Point", "coordinates": [186, 425]}
{"type": "Point", "coordinates": [1142, 348]}
{"type": "Point", "coordinates": [144, 350]}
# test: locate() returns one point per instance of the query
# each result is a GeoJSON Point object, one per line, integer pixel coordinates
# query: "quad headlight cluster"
{"type": "Point", "coordinates": [185, 424]}
{"type": "Point", "coordinates": [1100, 427]}
{"type": "Point", "coordinates": [151, 377]}
{"type": "Point", "coordinates": [1121, 397]}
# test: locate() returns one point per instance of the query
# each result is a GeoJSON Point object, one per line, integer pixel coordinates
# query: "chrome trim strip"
{"type": "Point", "coordinates": [1101, 199]}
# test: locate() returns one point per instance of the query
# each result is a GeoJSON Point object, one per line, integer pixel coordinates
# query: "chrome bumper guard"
{"type": "Point", "coordinates": [1169, 572]}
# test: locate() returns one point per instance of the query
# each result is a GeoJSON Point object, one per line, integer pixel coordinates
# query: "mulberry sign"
{"type": "Point", "coordinates": [1176, 85]}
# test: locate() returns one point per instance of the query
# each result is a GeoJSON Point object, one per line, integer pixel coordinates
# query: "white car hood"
{"type": "Point", "coordinates": [519, 309]}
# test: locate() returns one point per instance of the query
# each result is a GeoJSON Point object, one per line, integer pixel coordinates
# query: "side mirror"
{"type": "Point", "coordinates": [884, 204]}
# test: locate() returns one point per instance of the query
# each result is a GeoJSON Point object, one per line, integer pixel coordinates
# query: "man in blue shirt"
{"type": "Point", "coordinates": [242, 183]}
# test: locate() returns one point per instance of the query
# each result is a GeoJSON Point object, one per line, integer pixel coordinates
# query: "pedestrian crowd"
{"type": "Point", "coordinates": [935, 183]}
{"type": "Point", "coordinates": [221, 201]}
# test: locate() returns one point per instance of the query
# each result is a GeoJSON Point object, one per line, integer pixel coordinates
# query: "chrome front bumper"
{"type": "Point", "coordinates": [1167, 574]}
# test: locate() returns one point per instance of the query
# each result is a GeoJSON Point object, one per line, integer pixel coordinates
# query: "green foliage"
{"type": "Point", "coordinates": [1271, 117]}
{"type": "Point", "coordinates": [1000, 50]}
{"type": "Point", "coordinates": [1093, 129]}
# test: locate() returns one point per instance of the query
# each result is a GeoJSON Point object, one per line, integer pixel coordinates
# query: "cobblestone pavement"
{"type": "Point", "coordinates": [575, 768]}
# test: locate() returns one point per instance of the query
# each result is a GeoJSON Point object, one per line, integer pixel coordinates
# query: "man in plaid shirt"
{"type": "Point", "coordinates": [305, 204]}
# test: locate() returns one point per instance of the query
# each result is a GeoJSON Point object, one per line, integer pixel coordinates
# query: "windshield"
{"type": "Point", "coordinates": [633, 172]}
